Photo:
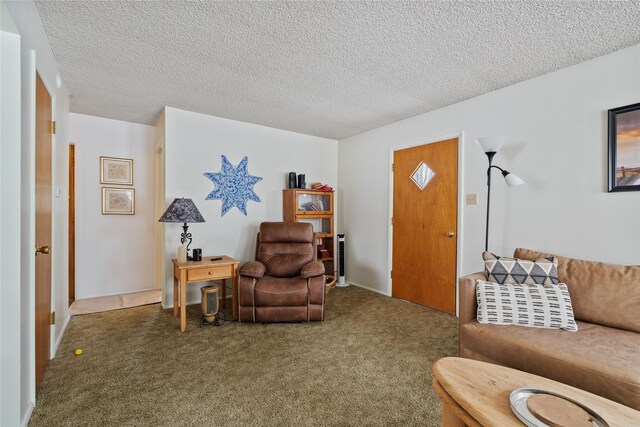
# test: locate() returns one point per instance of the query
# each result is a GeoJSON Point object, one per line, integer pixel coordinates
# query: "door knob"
{"type": "Point", "coordinates": [451, 234]}
{"type": "Point", "coordinates": [42, 250]}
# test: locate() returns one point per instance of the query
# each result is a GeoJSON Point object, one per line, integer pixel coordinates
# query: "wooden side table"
{"type": "Point", "coordinates": [202, 271]}
{"type": "Point", "coordinates": [475, 394]}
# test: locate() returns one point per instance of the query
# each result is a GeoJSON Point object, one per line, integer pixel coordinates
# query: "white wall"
{"type": "Point", "coordinates": [10, 348]}
{"type": "Point", "coordinates": [193, 145]}
{"type": "Point", "coordinates": [114, 253]}
{"type": "Point", "coordinates": [35, 55]}
{"type": "Point", "coordinates": [556, 127]}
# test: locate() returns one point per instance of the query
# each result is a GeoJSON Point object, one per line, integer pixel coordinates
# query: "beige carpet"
{"type": "Point", "coordinates": [369, 363]}
{"type": "Point", "coordinates": [115, 302]}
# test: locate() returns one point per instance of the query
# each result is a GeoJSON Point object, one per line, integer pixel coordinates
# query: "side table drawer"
{"type": "Point", "coordinates": [210, 273]}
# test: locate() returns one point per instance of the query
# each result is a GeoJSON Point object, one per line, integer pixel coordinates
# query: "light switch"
{"type": "Point", "coordinates": [58, 191]}
{"type": "Point", "coordinates": [472, 198]}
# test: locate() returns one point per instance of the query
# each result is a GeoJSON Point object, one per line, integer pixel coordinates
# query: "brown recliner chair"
{"type": "Point", "coordinates": [286, 282]}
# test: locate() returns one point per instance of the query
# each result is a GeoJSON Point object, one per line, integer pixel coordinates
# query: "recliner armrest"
{"type": "Point", "coordinates": [254, 269]}
{"type": "Point", "coordinates": [312, 269]}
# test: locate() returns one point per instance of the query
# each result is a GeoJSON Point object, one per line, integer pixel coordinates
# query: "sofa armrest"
{"type": "Point", "coordinates": [312, 269]}
{"type": "Point", "coordinates": [254, 269]}
{"type": "Point", "coordinates": [468, 304]}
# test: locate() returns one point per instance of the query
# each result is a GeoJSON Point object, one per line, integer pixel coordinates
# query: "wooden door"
{"type": "Point", "coordinates": [43, 229]}
{"type": "Point", "coordinates": [425, 224]}
{"type": "Point", "coordinates": [72, 224]}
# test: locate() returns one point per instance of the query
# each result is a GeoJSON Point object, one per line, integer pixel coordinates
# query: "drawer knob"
{"type": "Point", "coordinates": [210, 273]}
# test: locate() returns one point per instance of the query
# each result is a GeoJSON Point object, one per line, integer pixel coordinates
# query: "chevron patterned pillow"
{"type": "Point", "coordinates": [537, 306]}
{"type": "Point", "coordinates": [500, 269]}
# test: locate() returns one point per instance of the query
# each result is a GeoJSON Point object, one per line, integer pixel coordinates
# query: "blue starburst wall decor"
{"type": "Point", "coordinates": [234, 186]}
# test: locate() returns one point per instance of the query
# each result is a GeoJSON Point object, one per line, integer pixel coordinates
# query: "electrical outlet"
{"type": "Point", "coordinates": [472, 198]}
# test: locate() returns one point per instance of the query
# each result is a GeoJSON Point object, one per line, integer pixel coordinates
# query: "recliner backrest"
{"type": "Point", "coordinates": [285, 247]}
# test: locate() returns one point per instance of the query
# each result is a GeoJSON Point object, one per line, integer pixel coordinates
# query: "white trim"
{"type": "Point", "coordinates": [189, 302]}
{"type": "Point", "coordinates": [377, 291]}
{"type": "Point", "coordinates": [29, 110]}
{"type": "Point", "coordinates": [54, 231]}
{"type": "Point", "coordinates": [62, 331]}
{"type": "Point", "coordinates": [459, 249]}
{"type": "Point", "coordinates": [28, 413]}
{"type": "Point", "coordinates": [461, 207]}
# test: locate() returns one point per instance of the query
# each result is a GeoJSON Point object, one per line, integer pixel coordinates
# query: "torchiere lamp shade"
{"type": "Point", "coordinates": [182, 210]}
{"type": "Point", "coordinates": [491, 144]}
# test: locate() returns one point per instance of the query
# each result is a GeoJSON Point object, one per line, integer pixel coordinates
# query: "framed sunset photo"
{"type": "Point", "coordinates": [624, 148]}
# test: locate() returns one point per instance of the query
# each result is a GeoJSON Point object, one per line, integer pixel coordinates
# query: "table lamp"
{"type": "Point", "coordinates": [184, 211]}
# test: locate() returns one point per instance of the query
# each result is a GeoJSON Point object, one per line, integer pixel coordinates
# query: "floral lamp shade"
{"type": "Point", "coordinates": [182, 210]}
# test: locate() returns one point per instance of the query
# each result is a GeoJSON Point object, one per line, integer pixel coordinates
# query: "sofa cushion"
{"type": "Point", "coordinates": [606, 294]}
{"type": "Point", "coordinates": [281, 292]}
{"type": "Point", "coordinates": [502, 269]}
{"type": "Point", "coordinates": [539, 306]}
{"type": "Point", "coordinates": [599, 359]}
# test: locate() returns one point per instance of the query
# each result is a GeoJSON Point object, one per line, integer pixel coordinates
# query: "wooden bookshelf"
{"type": "Point", "coordinates": [316, 208]}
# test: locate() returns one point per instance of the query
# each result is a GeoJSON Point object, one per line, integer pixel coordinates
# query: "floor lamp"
{"type": "Point", "coordinates": [490, 145]}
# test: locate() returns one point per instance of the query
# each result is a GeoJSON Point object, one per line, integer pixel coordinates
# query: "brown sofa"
{"type": "Point", "coordinates": [603, 357]}
{"type": "Point", "coordinates": [286, 281]}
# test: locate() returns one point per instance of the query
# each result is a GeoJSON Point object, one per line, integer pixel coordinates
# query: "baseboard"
{"type": "Point", "coordinates": [59, 340]}
{"type": "Point", "coordinates": [119, 293]}
{"type": "Point", "coordinates": [369, 289]}
{"type": "Point", "coordinates": [196, 301]}
{"type": "Point", "coordinates": [27, 416]}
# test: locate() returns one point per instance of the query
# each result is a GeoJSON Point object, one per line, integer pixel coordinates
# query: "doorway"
{"type": "Point", "coordinates": [43, 314]}
{"type": "Point", "coordinates": [72, 224]}
{"type": "Point", "coordinates": [424, 222]}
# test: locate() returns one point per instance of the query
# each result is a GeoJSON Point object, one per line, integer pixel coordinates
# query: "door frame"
{"type": "Point", "coordinates": [11, 163]}
{"type": "Point", "coordinates": [71, 221]}
{"type": "Point", "coordinates": [159, 207]}
{"type": "Point", "coordinates": [459, 246]}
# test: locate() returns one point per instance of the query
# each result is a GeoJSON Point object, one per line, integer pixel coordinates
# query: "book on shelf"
{"type": "Point", "coordinates": [313, 206]}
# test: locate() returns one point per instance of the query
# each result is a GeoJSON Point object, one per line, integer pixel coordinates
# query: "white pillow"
{"type": "Point", "coordinates": [539, 306]}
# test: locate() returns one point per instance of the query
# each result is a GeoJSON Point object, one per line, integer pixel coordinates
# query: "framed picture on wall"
{"type": "Point", "coordinates": [624, 148]}
{"type": "Point", "coordinates": [114, 170]}
{"type": "Point", "coordinates": [118, 201]}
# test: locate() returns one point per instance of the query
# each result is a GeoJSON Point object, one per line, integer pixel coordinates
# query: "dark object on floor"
{"type": "Point", "coordinates": [218, 320]}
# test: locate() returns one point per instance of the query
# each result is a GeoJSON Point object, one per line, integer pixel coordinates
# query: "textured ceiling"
{"type": "Point", "coordinates": [331, 69]}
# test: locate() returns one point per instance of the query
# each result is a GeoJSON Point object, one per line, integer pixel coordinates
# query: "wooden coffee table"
{"type": "Point", "coordinates": [475, 393]}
